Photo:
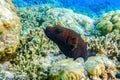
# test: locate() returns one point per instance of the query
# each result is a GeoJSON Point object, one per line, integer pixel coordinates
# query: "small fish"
{"type": "Point", "coordinates": [69, 42]}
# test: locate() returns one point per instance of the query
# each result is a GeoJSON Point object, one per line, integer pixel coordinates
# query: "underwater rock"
{"type": "Point", "coordinates": [69, 19]}
{"type": "Point", "coordinates": [67, 69]}
{"type": "Point", "coordinates": [9, 30]}
{"type": "Point", "coordinates": [69, 42]}
{"type": "Point", "coordinates": [109, 22]}
{"type": "Point", "coordinates": [100, 67]}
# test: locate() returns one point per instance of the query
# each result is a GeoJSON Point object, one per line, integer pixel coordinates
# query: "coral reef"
{"type": "Point", "coordinates": [66, 17]}
{"type": "Point", "coordinates": [31, 17]}
{"type": "Point", "coordinates": [67, 69]}
{"type": "Point", "coordinates": [82, 6]}
{"type": "Point", "coordinates": [9, 30]}
{"type": "Point", "coordinates": [101, 66]}
{"type": "Point", "coordinates": [35, 54]}
{"type": "Point", "coordinates": [48, 15]}
{"type": "Point", "coordinates": [106, 45]}
{"type": "Point", "coordinates": [109, 22]}
{"type": "Point", "coordinates": [38, 58]}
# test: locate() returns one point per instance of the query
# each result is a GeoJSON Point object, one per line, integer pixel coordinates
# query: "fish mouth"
{"type": "Point", "coordinates": [48, 33]}
{"type": "Point", "coordinates": [46, 30]}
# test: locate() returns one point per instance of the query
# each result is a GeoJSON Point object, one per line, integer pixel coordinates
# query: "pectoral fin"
{"type": "Point", "coordinates": [73, 43]}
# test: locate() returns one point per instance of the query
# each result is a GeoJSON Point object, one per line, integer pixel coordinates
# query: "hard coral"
{"type": "Point", "coordinates": [77, 22]}
{"type": "Point", "coordinates": [38, 58]}
{"type": "Point", "coordinates": [67, 69]}
{"type": "Point", "coordinates": [9, 30]}
{"type": "Point", "coordinates": [100, 66]}
{"type": "Point", "coordinates": [32, 57]}
{"type": "Point", "coordinates": [48, 15]}
{"type": "Point", "coordinates": [109, 22]}
{"type": "Point", "coordinates": [31, 17]}
{"type": "Point", "coordinates": [105, 45]}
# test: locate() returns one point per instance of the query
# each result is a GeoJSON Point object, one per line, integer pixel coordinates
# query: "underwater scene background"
{"type": "Point", "coordinates": [92, 8]}
{"type": "Point", "coordinates": [59, 40]}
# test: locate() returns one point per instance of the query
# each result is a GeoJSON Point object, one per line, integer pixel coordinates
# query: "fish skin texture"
{"type": "Point", "coordinates": [69, 42]}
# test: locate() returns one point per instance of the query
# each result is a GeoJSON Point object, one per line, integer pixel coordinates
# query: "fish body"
{"type": "Point", "coordinates": [69, 42]}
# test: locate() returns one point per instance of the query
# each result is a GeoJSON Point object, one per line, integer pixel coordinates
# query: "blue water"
{"type": "Point", "coordinates": [91, 8]}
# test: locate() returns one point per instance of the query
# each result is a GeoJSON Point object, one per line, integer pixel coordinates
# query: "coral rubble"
{"type": "Point", "coordinates": [9, 30]}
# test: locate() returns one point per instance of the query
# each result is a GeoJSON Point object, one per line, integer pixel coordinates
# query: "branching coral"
{"type": "Point", "coordinates": [107, 45]}
{"type": "Point", "coordinates": [32, 56]}
{"type": "Point", "coordinates": [31, 17]}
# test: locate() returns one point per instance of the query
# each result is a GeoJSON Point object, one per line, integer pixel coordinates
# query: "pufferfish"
{"type": "Point", "coordinates": [68, 41]}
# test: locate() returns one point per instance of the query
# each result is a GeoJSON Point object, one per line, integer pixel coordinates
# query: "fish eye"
{"type": "Point", "coordinates": [58, 30]}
